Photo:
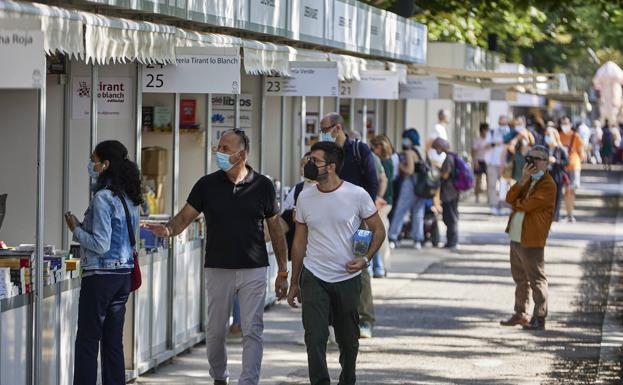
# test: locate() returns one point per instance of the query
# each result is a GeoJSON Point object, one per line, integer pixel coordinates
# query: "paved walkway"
{"type": "Point", "coordinates": [438, 315]}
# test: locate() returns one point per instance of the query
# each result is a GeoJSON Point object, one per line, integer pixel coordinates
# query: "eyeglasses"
{"type": "Point", "coordinates": [315, 160]}
{"type": "Point", "coordinates": [532, 159]}
{"type": "Point", "coordinates": [324, 130]}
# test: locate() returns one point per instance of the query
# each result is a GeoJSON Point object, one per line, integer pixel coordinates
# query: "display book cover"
{"type": "Point", "coordinates": [188, 112]}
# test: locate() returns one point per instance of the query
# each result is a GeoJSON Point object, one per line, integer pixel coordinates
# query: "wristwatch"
{"type": "Point", "coordinates": [367, 259]}
{"type": "Point", "coordinates": [283, 274]}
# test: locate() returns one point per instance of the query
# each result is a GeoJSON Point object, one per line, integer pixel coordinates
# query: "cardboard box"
{"type": "Point", "coordinates": [154, 161]}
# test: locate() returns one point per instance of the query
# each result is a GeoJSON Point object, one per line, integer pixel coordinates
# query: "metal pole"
{"type": "Point", "coordinates": [237, 112]}
{"type": "Point", "coordinates": [93, 110]}
{"type": "Point", "coordinates": [262, 127]}
{"type": "Point", "coordinates": [303, 124]}
{"type": "Point", "coordinates": [377, 112]}
{"type": "Point", "coordinates": [208, 135]}
{"type": "Point", "coordinates": [337, 104]}
{"type": "Point", "coordinates": [364, 112]}
{"type": "Point", "coordinates": [321, 108]}
{"type": "Point", "coordinates": [386, 117]}
{"type": "Point", "coordinates": [352, 114]}
{"type": "Point", "coordinates": [176, 153]}
{"type": "Point", "coordinates": [66, 146]}
{"type": "Point", "coordinates": [282, 165]}
{"type": "Point", "coordinates": [138, 105]}
{"type": "Point", "coordinates": [94, 80]}
{"type": "Point", "coordinates": [38, 345]}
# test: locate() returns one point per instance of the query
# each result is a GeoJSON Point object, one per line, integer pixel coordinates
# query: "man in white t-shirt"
{"type": "Point", "coordinates": [327, 281]}
{"type": "Point", "coordinates": [439, 131]}
{"type": "Point", "coordinates": [494, 151]}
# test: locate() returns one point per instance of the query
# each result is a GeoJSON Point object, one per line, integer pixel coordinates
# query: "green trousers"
{"type": "Point", "coordinates": [335, 303]}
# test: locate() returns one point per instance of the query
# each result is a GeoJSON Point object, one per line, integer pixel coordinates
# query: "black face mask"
{"type": "Point", "coordinates": [311, 172]}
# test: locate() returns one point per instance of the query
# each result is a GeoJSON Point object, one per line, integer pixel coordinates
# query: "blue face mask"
{"type": "Point", "coordinates": [538, 175]}
{"type": "Point", "coordinates": [549, 140]}
{"type": "Point", "coordinates": [91, 170]}
{"type": "Point", "coordinates": [222, 161]}
{"type": "Point", "coordinates": [326, 137]}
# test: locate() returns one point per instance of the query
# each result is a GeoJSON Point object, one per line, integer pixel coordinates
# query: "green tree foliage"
{"type": "Point", "coordinates": [549, 35]}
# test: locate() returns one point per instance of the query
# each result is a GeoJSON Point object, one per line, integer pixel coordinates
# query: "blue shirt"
{"type": "Point", "coordinates": [103, 235]}
{"type": "Point", "coordinates": [362, 174]}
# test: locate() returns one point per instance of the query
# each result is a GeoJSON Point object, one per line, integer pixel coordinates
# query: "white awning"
{"type": "Point", "coordinates": [265, 58]}
{"type": "Point", "coordinates": [401, 69]}
{"type": "Point", "coordinates": [111, 40]}
{"type": "Point", "coordinates": [299, 54]}
{"type": "Point", "coordinates": [348, 67]}
{"type": "Point", "coordinates": [196, 39]}
{"type": "Point", "coordinates": [62, 28]}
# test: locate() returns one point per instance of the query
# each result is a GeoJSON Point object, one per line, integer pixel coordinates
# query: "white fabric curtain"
{"type": "Point", "coordinates": [62, 28]}
{"type": "Point", "coordinates": [348, 67]}
{"type": "Point", "coordinates": [298, 54]}
{"type": "Point", "coordinates": [196, 39]}
{"type": "Point", "coordinates": [111, 40]}
{"type": "Point", "coordinates": [266, 58]}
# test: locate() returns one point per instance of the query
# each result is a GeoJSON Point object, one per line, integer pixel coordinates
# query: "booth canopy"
{"type": "Point", "coordinates": [62, 28]}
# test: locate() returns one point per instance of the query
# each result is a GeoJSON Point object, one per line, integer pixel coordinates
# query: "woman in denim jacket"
{"type": "Point", "coordinates": [107, 261]}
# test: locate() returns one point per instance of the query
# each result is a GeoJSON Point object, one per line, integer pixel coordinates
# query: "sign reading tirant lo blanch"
{"type": "Point", "coordinates": [197, 71]}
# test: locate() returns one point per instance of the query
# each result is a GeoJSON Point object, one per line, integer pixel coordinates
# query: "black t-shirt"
{"type": "Point", "coordinates": [234, 217]}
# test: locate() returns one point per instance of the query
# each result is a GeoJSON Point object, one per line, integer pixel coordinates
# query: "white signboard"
{"type": "Point", "coordinates": [22, 59]}
{"type": "Point", "coordinates": [345, 24]}
{"type": "Point", "coordinates": [114, 98]}
{"type": "Point", "coordinates": [269, 13]}
{"type": "Point", "coordinates": [307, 79]}
{"type": "Point", "coordinates": [373, 85]}
{"type": "Point", "coordinates": [377, 39]}
{"type": "Point", "coordinates": [223, 115]}
{"type": "Point", "coordinates": [197, 71]}
{"type": "Point", "coordinates": [308, 18]}
{"type": "Point", "coordinates": [416, 41]}
{"type": "Point", "coordinates": [471, 94]}
{"type": "Point", "coordinates": [420, 87]}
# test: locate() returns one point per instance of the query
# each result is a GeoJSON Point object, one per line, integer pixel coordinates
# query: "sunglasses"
{"type": "Point", "coordinates": [532, 159]}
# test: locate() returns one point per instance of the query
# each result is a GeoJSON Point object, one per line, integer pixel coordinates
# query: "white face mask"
{"type": "Point", "coordinates": [566, 128]}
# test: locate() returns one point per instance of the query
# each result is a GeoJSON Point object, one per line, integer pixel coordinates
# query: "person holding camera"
{"type": "Point", "coordinates": [327, 281]}
{"type": "Point", "coordinates": [533, 199]}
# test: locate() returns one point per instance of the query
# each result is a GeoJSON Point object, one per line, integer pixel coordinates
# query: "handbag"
{"type": "Point", "coordinates": [137, 279]}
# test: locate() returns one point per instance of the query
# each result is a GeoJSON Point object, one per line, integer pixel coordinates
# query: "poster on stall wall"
{"type": "Point", "coordinates": [372, 85]}
{"type": "Point", "coordinates": [114, 98]}
{"type": "Point", "coordinates": [223, 114]}
{"type": "Point", "coordinates": [23, 59]}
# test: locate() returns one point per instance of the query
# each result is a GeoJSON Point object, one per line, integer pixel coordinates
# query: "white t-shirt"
{"type": "Point", "coordinates": [332, 218]}
{"type": "Point", "coordinates": [439, 131]}
{"type": "Point", "coordinates": [493, 156]}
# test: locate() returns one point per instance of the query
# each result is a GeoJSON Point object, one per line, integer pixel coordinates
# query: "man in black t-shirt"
{"type": "Point", "coordinates": [235, 201]}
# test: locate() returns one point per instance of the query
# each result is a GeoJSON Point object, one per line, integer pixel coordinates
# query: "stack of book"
{"type": "Point", "coordinates": [6, 286]}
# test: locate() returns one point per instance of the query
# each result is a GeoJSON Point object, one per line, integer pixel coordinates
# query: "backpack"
{"type": "Point", "coordinates": [287, 217]}
{"type": "Point", "coordinates": [607, 141]}
{"type": "Point", "coordinates": [463, 177]}
{"type": "Point", "coordinates": [357, 156]}
{"type": "Point", "coordinates": [428, 180]}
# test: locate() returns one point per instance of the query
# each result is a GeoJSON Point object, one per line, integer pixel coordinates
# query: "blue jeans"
{"type": "Point", "coordinates": [376, 267]}
{"type": "Point", "coordinates": [101, 314]}
{"type": "Point", "coordinates": [408, 202]}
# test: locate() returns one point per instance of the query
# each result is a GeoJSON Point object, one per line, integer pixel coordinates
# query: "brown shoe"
{"type": "Point", "coordinates": [516, 319]}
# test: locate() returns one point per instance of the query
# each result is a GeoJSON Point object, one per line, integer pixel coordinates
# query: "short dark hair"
{"type": "Point", "coordinates": [332, 154]}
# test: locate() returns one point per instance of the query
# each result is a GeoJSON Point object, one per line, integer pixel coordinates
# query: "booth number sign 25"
{"type": "Point", "coordinates": [154, 80]}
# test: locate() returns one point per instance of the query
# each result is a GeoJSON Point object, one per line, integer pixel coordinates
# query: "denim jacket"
{"type": "Point", "coordinates": [103, 235]}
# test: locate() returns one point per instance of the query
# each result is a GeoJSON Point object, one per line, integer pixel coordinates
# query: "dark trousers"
{"type": "Point", "coordinates": [451, 220]}
{"type": "Point", "coordinates": [336, 301]}
{"type": "Point", "coordinates": [101, 313]}
{"type": "Point", "coordinates": [559, 196]}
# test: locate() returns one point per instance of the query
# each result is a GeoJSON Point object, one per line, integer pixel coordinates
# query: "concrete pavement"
{"type": "Point", "coordinates": [438, 316]}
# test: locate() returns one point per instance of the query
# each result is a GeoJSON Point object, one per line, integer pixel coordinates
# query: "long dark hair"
{"type": "Point", "coordinates": [122, 176]}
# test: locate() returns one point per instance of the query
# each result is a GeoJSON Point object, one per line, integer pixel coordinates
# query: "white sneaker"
{"type": "Point", "coordinates": [495, 211]}
{"type": "Point", "coordinates": [455, 248]}
{"type": "Point", "coordinates": [365, 330]}
{"type": "Point", "coordinates": [392, 245]}
{"type": "Point", "coordinates": [417, 245]}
